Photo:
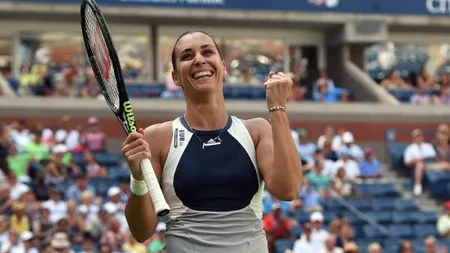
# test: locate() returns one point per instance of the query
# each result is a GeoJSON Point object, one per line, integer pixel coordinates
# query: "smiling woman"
{"type": "Point", "coordinates": [212, 165]}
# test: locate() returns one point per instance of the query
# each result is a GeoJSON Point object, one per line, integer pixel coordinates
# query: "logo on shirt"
{"type": "Point", "coordinates": [181, 137]}
{"type": "Point", "coordinates": [175, 138]}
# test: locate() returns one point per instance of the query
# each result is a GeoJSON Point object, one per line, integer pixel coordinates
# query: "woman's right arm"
{"type": "Point", "coordinates": [139, 211]}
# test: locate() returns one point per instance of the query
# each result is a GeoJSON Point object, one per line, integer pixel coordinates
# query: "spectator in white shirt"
{"type": "Point", "coordinates": [305, 244]}
{"type": "Point", "coordinates": [17, 188]}
{"type": "Point", "coordinates": [330, 245]}
{"type": "Point", "coordinates": [319, 235]}
{"type": "Point", "coordinates": [56, 206]}
{"type": "Point", "coordinates": [27, 239]}
{"type": "Point", "coordinates": [305, 148]}
{"type": "Point", "coordinates": [416, 155]}
{"type": "Point", "coordinates": [351, 167]}
{"type": "Point", "coordinates": [356, 152]}
{"type": "Point", "coordinates": [443, 223]}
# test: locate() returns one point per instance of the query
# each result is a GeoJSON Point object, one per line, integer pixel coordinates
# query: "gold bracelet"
{"type": "Point", "coordinates": [277, 108]}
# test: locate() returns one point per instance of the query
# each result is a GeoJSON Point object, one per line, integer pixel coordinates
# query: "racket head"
{"type": "Point", "coordinates": [105, 63]}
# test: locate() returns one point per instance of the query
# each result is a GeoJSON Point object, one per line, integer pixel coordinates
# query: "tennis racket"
{"type": "Point", "coordinates": [105, 63]}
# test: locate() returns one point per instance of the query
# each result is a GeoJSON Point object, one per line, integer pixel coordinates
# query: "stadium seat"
{"type": "Point", "coordinates": [381, 217]}
{"type": "Point", "coordinates": [401, 231]}
{"type": "Point", "coordinates": [102, 184]}
{"type": "Point", "coordinates": [297, 231]}
{"type": "Point", "coordinates": [402, 218]}
{"type": "Point", "coordinates": [384, 204]}
{"type": "Point", "coordinates": [282, 245]}
{"type": "Point", "coordinates": [303, 217]}
{"type": "Point", "coordinates": [405, 205]}
{"type": "Point", "coordinates": [424, 230]}
{"type": "Point", "coordinates": [118, 172]}
{"type": "Point", "coordinates": [106, 159]}
{"type": "Point", "coordinates": [371, 232]}
{"type": "Point", "coordinates": [383, 190]}
{"type": "Point", "coordinates": [361, 204]}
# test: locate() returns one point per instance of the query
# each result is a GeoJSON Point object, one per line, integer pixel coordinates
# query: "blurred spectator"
{"type": "Point", "coordinates": [114, 236]}
{"type": "Point", "coordinates": [92, 168]}
{"type": "Point", "coordinates": [56, 206]}
{"type": "Point", "coordinates": [319, 234]}
{"type": "Point", "coordinates": [91, 89]}
{"type": "Point", "coordinates": [328, 135]}
{"type": "Point", "coordinates": [324, 93]}
{"type": "Point", "coordinates": [27, 238]}
{"type": "Point", "coordinates": [60, 243]}
{"type": "Point", "coordinates": [43, 226]}
{"type": "Point", "coordinates": [16, 188]}
{"type": "Point", "coordinates": [356, 153]}
{"type": "Point", "coordinates": [5, 200]}
{"type": "Point", "coordinates": [442, 96]}
{"type": "Point", "coordinates": [374, 248]}
{"type": "Point", "coordinates": [345, 161]}
{"type": "Point", "coordinates": [94, 139]}
{"type": "Point", "coordinates": [369, 166]}
{"type": "Point", "coordinates": [67, 134]}
{"type": "Point", "coordinates": [114, 198]}
{"type": "Point", "coordinates": [337, 139]}
{"type": "Point", "coordinates": [330, 245]}
{"type": "Point", "coordinates": [345, 235]}
{"type": "Point", "coordinates": [306, 244]}
{"type": "Point", "coordinates": [96, 225]}
{"type": "Point", "coordinates": [406, 247]}
{"type": "Point", "coordinates": [19, 221]}
{"type": "Point", "coordinates": [312, 200]}
{"type": "Point", "coordinates": [305, 148]}
{"type": "Point", "coordinates": [19, 134]}
{"type": "Point", "coordinates": [424, 80]}
{"type": "Point", "coordinates": [81, 185]}
{"type": "Point", "coordinates": [36, 148]}
{"type": "Point", "coordinates": [416, 155]}
{"type": "Point", "coordinates": [13, 244]}
{"type": "Point", "coordinates": [318, 180]}
{"type": "Point", "coordinates": [156, 244]}
{"type": "Point", "coordinates": [443, 223]}
{"type": "Point", "coordinates": [276, 226]}
{"type": "Point", "coordinates": [431, 246]}
{"type": "Point", "coordinates": [172, 91]}
{"type": "Point", "coordinates": [351, 247]}
{"type": "Point", "coordinates": [133, 246]}
{"type": "Point", "coordinates": [323, 78]}
{"type": "Point", "coordinates": [393, 81]}
{"type": "Point", "coordinates": [420, 97]}
{"type": "Point", "coordinates": [40, 186]}
{"type": "Point", "coordinates": [342, 185]}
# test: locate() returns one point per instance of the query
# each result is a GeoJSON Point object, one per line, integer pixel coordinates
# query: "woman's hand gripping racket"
{"type": "Point", "coordinates": [105, 63]}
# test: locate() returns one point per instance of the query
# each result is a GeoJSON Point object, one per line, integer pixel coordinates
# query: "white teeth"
{"type": "Point", "coordinates": [202, 74]}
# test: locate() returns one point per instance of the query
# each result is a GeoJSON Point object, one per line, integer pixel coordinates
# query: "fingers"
{"type": "Point", "coordinates": [132, 137]}
{"type": "Point", "coordinates": [135, 143]}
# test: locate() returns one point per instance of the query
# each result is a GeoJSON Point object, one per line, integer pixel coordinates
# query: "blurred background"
{"type": "Point", "coordinates": [369, 114]}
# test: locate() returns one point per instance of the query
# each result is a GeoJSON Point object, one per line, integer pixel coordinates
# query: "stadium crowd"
{"type": "Point", "coordinates": [47, 203]}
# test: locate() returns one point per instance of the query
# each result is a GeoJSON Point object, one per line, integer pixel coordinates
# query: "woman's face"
{"type": "Point", "coordinates": [199, 64]}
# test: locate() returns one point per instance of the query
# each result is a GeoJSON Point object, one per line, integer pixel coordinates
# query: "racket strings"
{"type": "Point", "coordinates": [99, 48]}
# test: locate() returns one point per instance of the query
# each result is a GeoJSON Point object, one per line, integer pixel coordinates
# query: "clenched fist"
{"type": "Point", "coordinates": [277, 89]}
{"type": "Point", "coordinates": [135, 149]}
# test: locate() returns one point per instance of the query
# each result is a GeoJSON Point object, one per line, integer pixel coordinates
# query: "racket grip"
{"type": "Point", "coordinates": [159, 202]}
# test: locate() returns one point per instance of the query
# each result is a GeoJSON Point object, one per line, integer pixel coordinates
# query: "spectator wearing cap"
{"type": "Point", "coordinates": [87, 206]}
{"type": "Point", "coordinates": [81, 185]}
{"type": "Point", "coordinates": [443, 223]}
{"type": "Point", "coordinates": [369, 167]}
{"type": "Point", "coordinates": [114, 198]}
{"type": "Point", "coordinates": [330, 245]}
{"type": "Point", "coordinates": [63, 158]}
{"type": "Point", "coordinates": [319, 234]}
{"type": "Point", "coordinates": [416, 155]}
{"type": "Point", "coordinates": [305, 148]}
{"type": "Point", "coordinates": [56, 206]}
{"type": "Point", "coordinates": [19, 221]}
{"type": "Point", "coordinates": [276, 226]}
{"type": "Point", "coordinates": [27, 238]}
{"type": "Point", "coordinates": [94, 139]}
{"type": "Point", "coordinates": [356, 153]}
{"type": "Point", "coordinates": [306, 244]}
{"type": "Point", "coordinates": [60, 243]}
{"type": "Point", "coordinates": [351, 167]}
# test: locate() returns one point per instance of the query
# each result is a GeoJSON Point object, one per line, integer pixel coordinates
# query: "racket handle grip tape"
{"type": "Point", "coordinates": [159, 202]}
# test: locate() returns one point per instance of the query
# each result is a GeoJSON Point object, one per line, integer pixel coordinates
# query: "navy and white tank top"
{"type": "Point", "coordinates": [214, 192]}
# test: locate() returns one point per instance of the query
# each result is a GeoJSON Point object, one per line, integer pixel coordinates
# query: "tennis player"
{"type": "Point", "coordinates": [213, 166]}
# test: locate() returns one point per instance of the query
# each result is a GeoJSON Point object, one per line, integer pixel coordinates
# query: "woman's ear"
{"type": "Point", "coordinates": [175, 78]}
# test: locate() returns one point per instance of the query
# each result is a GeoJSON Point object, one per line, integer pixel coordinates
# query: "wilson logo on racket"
{"type": "Point", "coordinates": [129, 116]}
{"type": "Point", "coordinates": [102, 54]}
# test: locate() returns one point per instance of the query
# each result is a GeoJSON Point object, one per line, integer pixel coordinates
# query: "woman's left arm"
{"type": "Point", "coordinates": [277, 157]}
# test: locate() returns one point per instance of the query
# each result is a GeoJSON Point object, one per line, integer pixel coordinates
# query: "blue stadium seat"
{"type": "Point", "coordinates": [405, 205]}
{"type": "Point", "coordinates": [381, 217]}
{"type": "Point", "coordinates": [297, 231]}
{"type": "Point", "coordinates": [361, 204]}
{"type": "Point", "coordinates": [424, 217]}
{"type": "Point", "coordinates": [102, 184]}
{"type": "Point", "coordinates": [371, 232]}
{"type": "Point", "coordinates": [401, 231]}
{"type": "Point", "coordinates": [384, 204]}
{"type": "Point", "coordinates": [282, 245]}
{"type": "Point", "coordinates": [152, 91]}
{"type": "Point", "coordinates": [78, 158]}
{"type": "Point", "coordinates": [383, 190]}
{"type": "Point", "coordinates": [424, 230]}
{"type": "Point", "coordinates": [106, 159]}
{"type": "Point", "coordinates": [118, 172]}
{"type": "Point", "coordinates": [303, 217]}
{"type": "Point", "coordinates": [402, 218]}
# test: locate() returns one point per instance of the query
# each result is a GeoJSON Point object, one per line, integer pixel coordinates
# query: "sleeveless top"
{"type": "Point", "coordinates": [214, 192]}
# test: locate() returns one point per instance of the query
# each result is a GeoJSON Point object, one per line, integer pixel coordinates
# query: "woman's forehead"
{"type": "Point", "coordinates": [194, 41]}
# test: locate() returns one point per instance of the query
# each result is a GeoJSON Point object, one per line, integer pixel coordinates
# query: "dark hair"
{"type": "Point", "coordinates": [174, 64]}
